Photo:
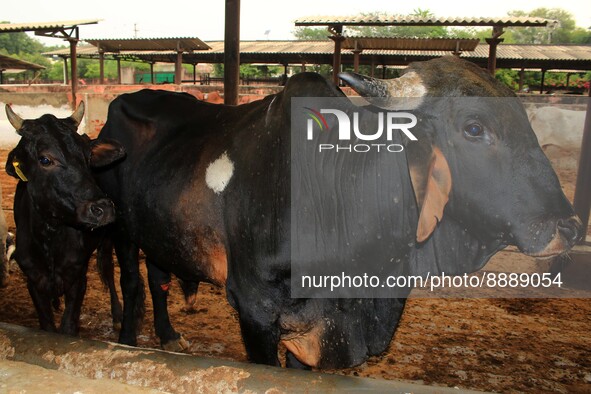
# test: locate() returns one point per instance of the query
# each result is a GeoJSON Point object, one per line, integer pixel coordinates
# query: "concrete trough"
{"type": "Point", "coordinates": [115, 366]}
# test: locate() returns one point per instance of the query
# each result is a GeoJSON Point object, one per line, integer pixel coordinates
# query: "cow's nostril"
{"type": "Point", "coordinates": [96, 211]}
{"type": "Point", "coordinates": [571, 229]}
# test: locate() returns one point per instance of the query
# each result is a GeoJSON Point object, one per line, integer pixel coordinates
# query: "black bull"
{"type": "Point", "coordinates": [205, 192]}
{"type": "Point", "coordinates": [57, 204]}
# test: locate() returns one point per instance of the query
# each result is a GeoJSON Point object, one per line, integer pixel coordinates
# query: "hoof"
{"type": "Point", "coordinates": [178, 345]}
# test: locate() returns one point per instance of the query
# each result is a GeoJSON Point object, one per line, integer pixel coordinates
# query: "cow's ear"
{"type": "Point", "coordinates": [105, 152]}
{"type": "Point", "coordinates": [431, 180]}
{"type": "Point", "coordinates": [10, 169]}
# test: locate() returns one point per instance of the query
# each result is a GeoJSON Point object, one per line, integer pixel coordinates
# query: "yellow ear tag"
{"type": "Point", "coordinates": [20, 174]}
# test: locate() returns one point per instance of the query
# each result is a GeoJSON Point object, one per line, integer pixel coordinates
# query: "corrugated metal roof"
{"type": "Point", "coordinates": [535, 52]}
{"type": "Point", "coordinates": [36, 26]}
{"type": "Point", "coordinates": [149, 44]}
{"type": "Point", "coordinates": [530, 56]}
{"type": "Point", "coordinates": [411, 43]}
{"type": "Point", "coordinates": [7, 62]}
{"type": "Point", "coordinates": [280, 46]}
{"type": "Point", "coordinates": [405, 20]}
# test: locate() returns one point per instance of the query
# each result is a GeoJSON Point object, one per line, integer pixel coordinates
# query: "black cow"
{"type": "Point", "coordinates": [57, 206]}
{"type": "Point", "coordinates": [205, 191]}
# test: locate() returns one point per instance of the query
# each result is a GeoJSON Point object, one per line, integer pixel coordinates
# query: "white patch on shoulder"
{"type": "Point", "coordinates": [219, 173]}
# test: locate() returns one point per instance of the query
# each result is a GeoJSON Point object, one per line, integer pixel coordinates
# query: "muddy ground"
{"type": "Point", "coordinates": [502, 345]}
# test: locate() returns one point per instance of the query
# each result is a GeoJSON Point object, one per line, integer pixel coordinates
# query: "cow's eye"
{"type": "Point", "coordinates": [473, 129]}
{"type": "Point", "coordinates": [45, 161]}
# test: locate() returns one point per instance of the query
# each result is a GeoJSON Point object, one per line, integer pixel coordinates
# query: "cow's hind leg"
{"type": "Point", "coordinates": [106, 268]}
{"type": "Point", "coordinates": [132, 288]}
{"type": "Point", "coordinates": [160, 282]}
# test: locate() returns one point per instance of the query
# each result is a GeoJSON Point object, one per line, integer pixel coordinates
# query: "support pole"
{"type": "Point", "coordinates": [542, 82]}
{"type": "Point", "coordinates": [74, 67]}
{"type": "Point", "coordinates": [119, 70]}
{"type": "Point", "coordinates": [232, 52]}
{"type": "Point", "coordinates": [101, 66]}
{"type": "Point", "coordinates": [492, 53]}
{"type": "Point", "coordinates": [66, 78]}
{"type": "Point", "coordinates": [178, 66]}
{"type": "Point", "coordinates": [356, 53]}
{"type": "Point", "coordinates": [338, 39]}
{"type": "Point", "coordinates": [492, 48]}
{"type": "Point", "coordinates": [582, 200]}
{"type": "Point", "coordinates": [521, 79]}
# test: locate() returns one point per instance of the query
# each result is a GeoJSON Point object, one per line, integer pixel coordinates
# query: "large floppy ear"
{"type": "Point", "coordinates": [403, 93]}
{"type": "Point", "coordinates": [105, 152]}
{"type": "Point", "coordinates": [431, 181]}
{"type": "Point", "coordinates": [15, 120]}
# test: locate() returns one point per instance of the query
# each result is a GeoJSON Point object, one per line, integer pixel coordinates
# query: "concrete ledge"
{"type": "Point", "coordinates": [174, 372]}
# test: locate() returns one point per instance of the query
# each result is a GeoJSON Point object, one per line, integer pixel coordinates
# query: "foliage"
{"type": "Point", "coordinates": [565, 33]}
{"type": "Point", "coordinates": [311, 33]}
{"type": "Point", "coordinates": [250, 71]}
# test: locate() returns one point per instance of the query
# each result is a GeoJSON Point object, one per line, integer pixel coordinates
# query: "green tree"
{"type": "Point", "coordinates": [565, 32]}
{"type": "Point", "coordinates": [311, 33]}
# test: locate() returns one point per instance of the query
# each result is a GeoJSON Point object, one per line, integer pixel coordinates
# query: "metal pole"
{"type": "Point", "coordinates": [119, 71]}
{"type": "Point", "coordinates": [542, 82]}
{"type": "Point", "coordinates": [74, 68]}
{"type": "Point", "coordinates": [178, 68]}
{"type": "Point", "coordinates": [336, 61]}
{"type": "Point", "coordinates": [66, 78]}
{"type": "Point", "coordinates": [101, 66]}
{"type": "Point", "coordinates": [232, 52]}
{"type": "Point", "coordinates": [152, 73]}
{"type": "Point", "coordinates": [582, 200]}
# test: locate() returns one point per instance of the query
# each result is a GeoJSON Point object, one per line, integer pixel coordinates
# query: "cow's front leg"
{"type": "Point", "coordinates": [42, 303]}
{"type": "Point", "coordinates": [74, 295]}
{"type": "Point", "coordinates": [160, 282]}
{"type": "Point", "coordinates": [259, 333]}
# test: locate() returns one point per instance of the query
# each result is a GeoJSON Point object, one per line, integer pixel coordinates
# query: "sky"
{"type": "Point", "coordinates": [260, 20]}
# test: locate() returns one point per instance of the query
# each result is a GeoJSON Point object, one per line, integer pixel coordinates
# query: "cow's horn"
{"type": "Point", "coordinates": [15, 120]}
{"type": "Point", "coordinates": [406, 90]}
{"type": "Point", "coordinates": [78, 114]}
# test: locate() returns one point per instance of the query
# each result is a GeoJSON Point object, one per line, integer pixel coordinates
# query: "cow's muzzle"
{"type": "Point", "coordinates": [97, 213]}
{"type": "Point", "coordinates": [568, 233]}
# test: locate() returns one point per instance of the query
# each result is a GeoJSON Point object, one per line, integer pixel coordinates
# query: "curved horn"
{"type": "Point", "coordinates": [78, 114]}
{"type": "Point", "coordinates": [410, 86]}
{"type": "Point", "coordinates": [15, 120]}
